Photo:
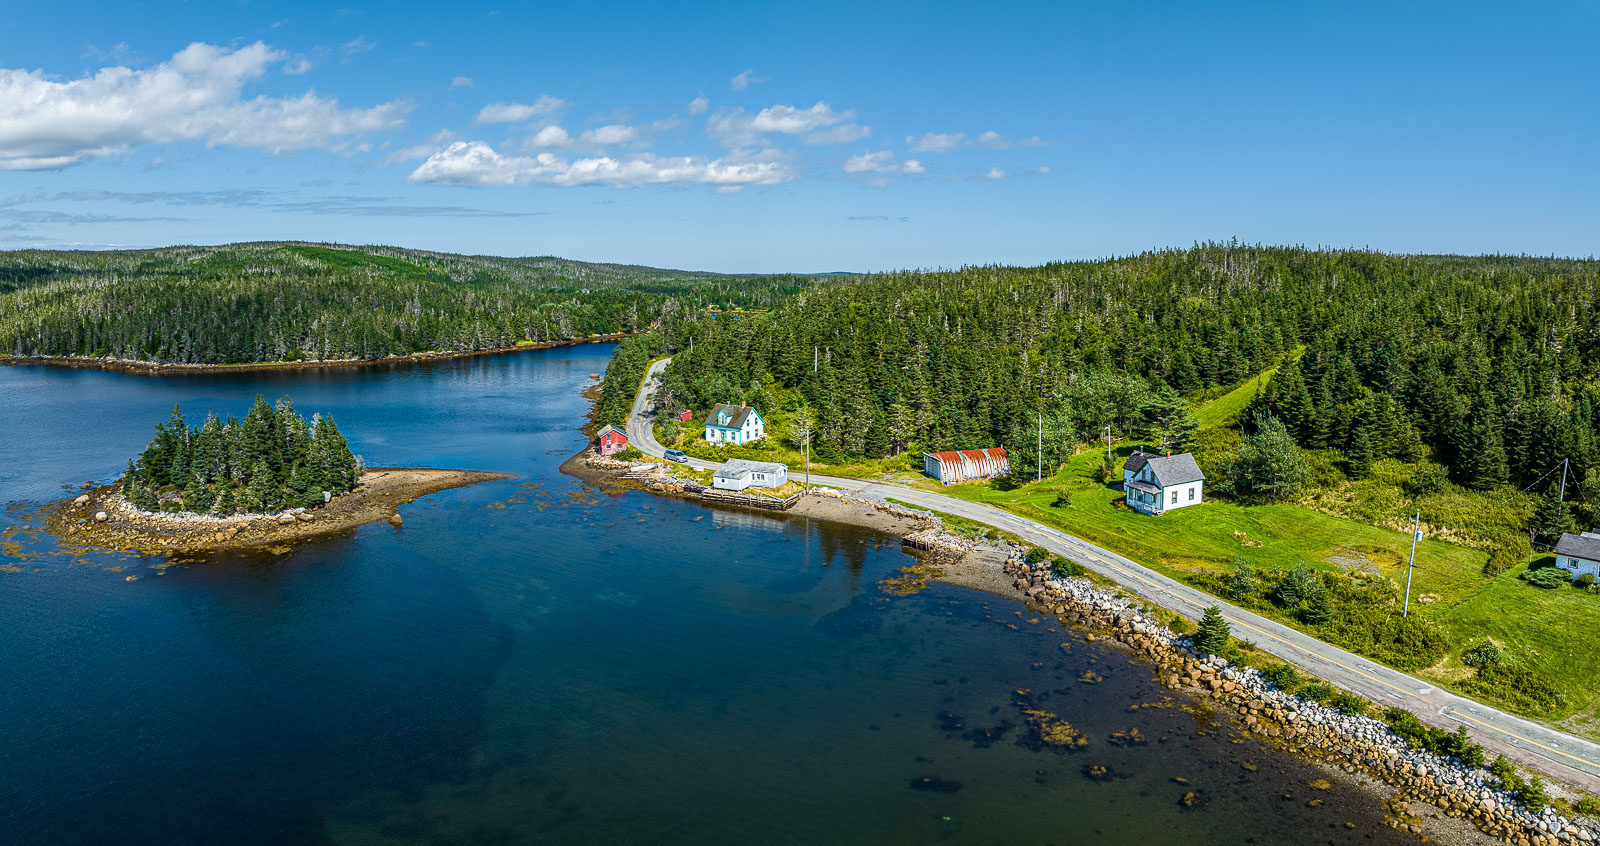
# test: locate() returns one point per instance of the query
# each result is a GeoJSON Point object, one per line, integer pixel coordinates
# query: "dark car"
{"type": "Point", "coordinates": [676, 455]}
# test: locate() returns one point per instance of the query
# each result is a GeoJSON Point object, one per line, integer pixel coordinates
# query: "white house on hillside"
{"type": "Point", "coordinates": [739, 474]}
{"type": "Point", "coordinates": [734, 424]}
{"type": "Point", "coordinates": [1155, 484]}
{"type": "Point", "coordinates": [1579, 554]}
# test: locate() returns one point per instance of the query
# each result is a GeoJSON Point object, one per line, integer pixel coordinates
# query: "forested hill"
{"type": "Point", "coordinates": [291, 301]}
{"type": "Point", "coordinates": [1486, 364]}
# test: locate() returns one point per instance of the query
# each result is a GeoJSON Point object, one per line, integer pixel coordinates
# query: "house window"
{"type": "Point", "coordinates": [1191, 493]}
{"type": "Point", "coordinates": [1174, 497]}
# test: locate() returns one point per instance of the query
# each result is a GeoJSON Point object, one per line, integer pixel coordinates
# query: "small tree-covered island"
{"type": "Point", "coordinates": [268, 479]}
{"type": "Point", "coordinates": [272, 460]}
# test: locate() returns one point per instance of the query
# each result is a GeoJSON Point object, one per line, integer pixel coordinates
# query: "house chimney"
{"type": "Point", "coordinates": [1169, 453]}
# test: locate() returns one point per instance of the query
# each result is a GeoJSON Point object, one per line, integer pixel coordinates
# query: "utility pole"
{"type": "Point", "coordinates": [816, 358]}
{"type": "Point", "coordinates": [1416, 534]}
{"type": "Point", "coordinates": [808, 461]}
{"type": "Point", "coordinates": [1108, 443]}
{"type": "Point", "coordinates": [1564, 463]}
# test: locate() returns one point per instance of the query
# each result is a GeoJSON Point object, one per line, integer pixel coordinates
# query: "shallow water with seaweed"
{"type": "Point", "coordinates": [539, 661]}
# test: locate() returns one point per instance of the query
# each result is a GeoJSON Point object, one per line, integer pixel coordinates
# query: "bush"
{"type": "Point", "coordinates": [1589, 806]}
{"type": "Point", "coordinates": [1037, 554]}
{"type": "Point", "coordinates": [1348, 703]}
{"type": "Point", "coordinates": [1282, 676]}
{"type": "Point", "coordinates": [1242, 585]}
{"type": "Point", "coordinates": [632, 453]}
{"type": "Point", "coordinates": [1454, 744]}
{"type": "Point", "coordinates": [1505, 555]}
{"type": "Point", "coordinates": [1529, 792]}
{"type": "Point", "coordinates": [1548, 578]}
{"type": "Point", "coordinates": [1317, 691]}
{"type": "Point", "coordinates": [1586, 580]}
{"type": "Point", "coordinates": [1430, 478]}
{"type": "Point", "coordinates": [1067, 567]}
{"type": "Point", "coordinates": [1483, 655]}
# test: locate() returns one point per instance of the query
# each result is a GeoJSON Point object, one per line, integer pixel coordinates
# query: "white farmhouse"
{"type": "Point", "coordinates": [1579, 554]}
{"type": "Point", "coordinates": [1155, 484]}
{"type": "Point", "coordinates": [734, 424]}
{"type": "Point", "coordinates": [739, 474]}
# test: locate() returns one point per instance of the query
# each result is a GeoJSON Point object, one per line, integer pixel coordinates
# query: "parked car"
{"type": "Point", "coordinates": [676, 455]}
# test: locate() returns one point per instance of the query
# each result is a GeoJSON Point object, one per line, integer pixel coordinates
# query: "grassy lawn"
{"type": "Point", "coordinates": [1226, 409]}
{"type": "Point", "coordinates": [1448, 585]}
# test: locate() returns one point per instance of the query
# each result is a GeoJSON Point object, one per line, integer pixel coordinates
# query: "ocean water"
{"type": "Point", "coordinates": [539, 661]}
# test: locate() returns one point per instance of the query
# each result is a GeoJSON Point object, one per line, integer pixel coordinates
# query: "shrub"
{"type": "Point", "coordinates": [1282, 676]}
{"type": "Point", "coordinates": [1507, 554]}
{"type": "Point", "coordinates": [1589, 806]}
{"type": "Point", "coordinates": [1317, 691]}
{"type": "Point", "coordinates": [1586, 580]}
{"type": "Point", "coordinates": [1482, 655]}
{"type": "Point", "coordinates": [1037, 554]}
{"type": "Point", "coordinates": [1349, 704]}
{"type": "Point", "coordinates": [1515, 683]}
{"type": "Point", "coordinates": [1242, 581]}
{"type": "Point", "coordinates": [1211, 636]}
{"type": "Point", "coordinates": [1548, 578]}
{"type": "Point", "coordinates": [1430, 478]}
{"type": "Point", "coordinates": [1455, 744]}
{"type": "Point", "coordinates": [1066, 567]}
{"type": "Point", "coordinates": [1063, 500]}
{"type": "Point", "coordinates": [632, 453]}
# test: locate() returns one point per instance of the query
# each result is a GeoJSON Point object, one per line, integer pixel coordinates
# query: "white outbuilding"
{"type": "Point", "coordinates": [1155, 484]}
{"type": "Point", "coordinates": [1579, 554]}
{"type": "Point", "coordinates": [739, 474]}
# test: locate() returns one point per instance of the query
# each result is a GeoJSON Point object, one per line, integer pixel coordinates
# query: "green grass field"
{"type": "Point", "coordinates": [1225, 410]}
{"type": "Point", "coordinates": [1448, 584]}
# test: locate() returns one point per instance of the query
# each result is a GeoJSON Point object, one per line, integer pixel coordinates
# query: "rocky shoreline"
{"type": "Point", "coordinates": [101, 517]}
{"type": "Point", "coordinates": [1355, 744]}
{"type": "Point", "coordinates": [130, 365]}
{"type": "Point", "coordinates": [1360, 746]}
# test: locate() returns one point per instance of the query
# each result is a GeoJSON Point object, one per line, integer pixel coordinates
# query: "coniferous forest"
{"type": "Point", "coordinates": [263, 302]}
{"type": "Point", "coordinates": [1484, 365]}
{"type": "Point", "coordinates": [271, 460]}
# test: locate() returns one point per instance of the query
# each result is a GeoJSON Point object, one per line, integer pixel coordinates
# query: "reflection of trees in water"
{"type": "Point", "coordinates": [826, 543]}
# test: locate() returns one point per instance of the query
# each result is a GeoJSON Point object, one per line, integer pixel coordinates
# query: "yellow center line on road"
{"type": "Point", "coordinates": [1460, 716]}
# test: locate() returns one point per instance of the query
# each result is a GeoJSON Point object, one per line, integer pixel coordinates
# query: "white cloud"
{"type": "Point", "coordinates": [1043, 171]}
{"type": "Point", "coordinates": [934, 142]}
{"type": "Point", "coordinates": [744, 80]}
{"type": "Point", "coordinates": [609, 136]}
{"type": "Point", "coordinates": [356, 47]}
{"type": "Point", "coordinates": [792, 121]}
{"type": "Point", "coordinates": [879, 162]}
{"type": "Point", "coordinates": [551, 136]}
{"type": "Point", "coordinates": [476, 164]}
{"type": "Point", "coordinates": [737, 128]}
{"type": "Point", "coordinates": [845, 133]}
{"type": "Point", "coordinates": [461, 82]}
{"type": "Point", "coordinates": [995, 173]}
{"type": "Point", "coordinates": [698, 106]}
{"type": "Point", "coordinates": [298, 65]}
{"type": "Point", "coordinates": [519, 112]}
{"type": "Point", "coordinates": [868, 217]}
{"type": "Point", "coordinates": [882, 162]}
{"type": "Point", "coordinates": [995, 141]}
{"type": "Point", "coordinates": [196, 95]}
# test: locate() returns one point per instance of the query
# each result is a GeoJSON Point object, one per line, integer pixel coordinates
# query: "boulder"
{"type": "Point", "coordinates": [81, 501]}
{"type": "Point", "coordinates": [101, 516]}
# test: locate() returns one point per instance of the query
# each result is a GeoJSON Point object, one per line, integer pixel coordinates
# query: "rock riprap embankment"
{"type": "Point", "coordinates": [1352, 743]}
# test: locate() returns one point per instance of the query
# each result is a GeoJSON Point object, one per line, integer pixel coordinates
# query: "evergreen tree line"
{"type": "Point", "coordinates": [289, 302]}
{"type": "Point", "coordinates": [1487, 364]}
{"type": "Point", "coordinates": [271, 460]}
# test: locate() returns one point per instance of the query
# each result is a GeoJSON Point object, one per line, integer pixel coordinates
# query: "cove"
{"type": "Point", "coordinates": [536, 660]}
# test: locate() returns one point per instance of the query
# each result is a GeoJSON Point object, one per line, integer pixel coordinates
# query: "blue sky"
{"type": "Point", "coordinates": [847, 136]}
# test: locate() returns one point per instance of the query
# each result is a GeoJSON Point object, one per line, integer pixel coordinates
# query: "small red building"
{"type": "Point", "coordinates": [612, 440]}
{"type": "Point", "coordinates": [685, 416]}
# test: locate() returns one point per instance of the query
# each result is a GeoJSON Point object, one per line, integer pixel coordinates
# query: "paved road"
{"type": "Point", "coordinates": [1570, 758]}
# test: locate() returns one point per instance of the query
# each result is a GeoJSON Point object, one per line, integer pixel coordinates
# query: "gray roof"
{"type": "Point", "coordinates": [1585, 546]}
{"type": "Point", "coordinates": [737, 412]}
{"type": "Point", "coordinates": [737, 467]}
{"type": "Point", "coordinates": [1179, 469]}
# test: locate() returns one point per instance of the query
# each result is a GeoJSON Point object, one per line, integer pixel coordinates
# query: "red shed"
{"type": "Point", "coordinates": [612, 440]}
{"type": "Point", "coordinates": [685, 416]}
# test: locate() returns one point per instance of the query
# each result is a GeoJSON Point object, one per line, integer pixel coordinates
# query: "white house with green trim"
{"type": "Point", "coordinates": [734, 424]}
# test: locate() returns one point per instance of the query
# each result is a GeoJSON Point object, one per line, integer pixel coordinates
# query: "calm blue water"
{"type": "Point", "coordinates": [537, 661]}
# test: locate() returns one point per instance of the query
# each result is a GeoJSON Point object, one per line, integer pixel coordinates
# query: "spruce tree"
{"type": "Point", "coordinates": [197, 496]}
{"type": "Point", "coordinates": [1211, 637]}
{"type": "Point", "coordinates": [1552, 518]}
